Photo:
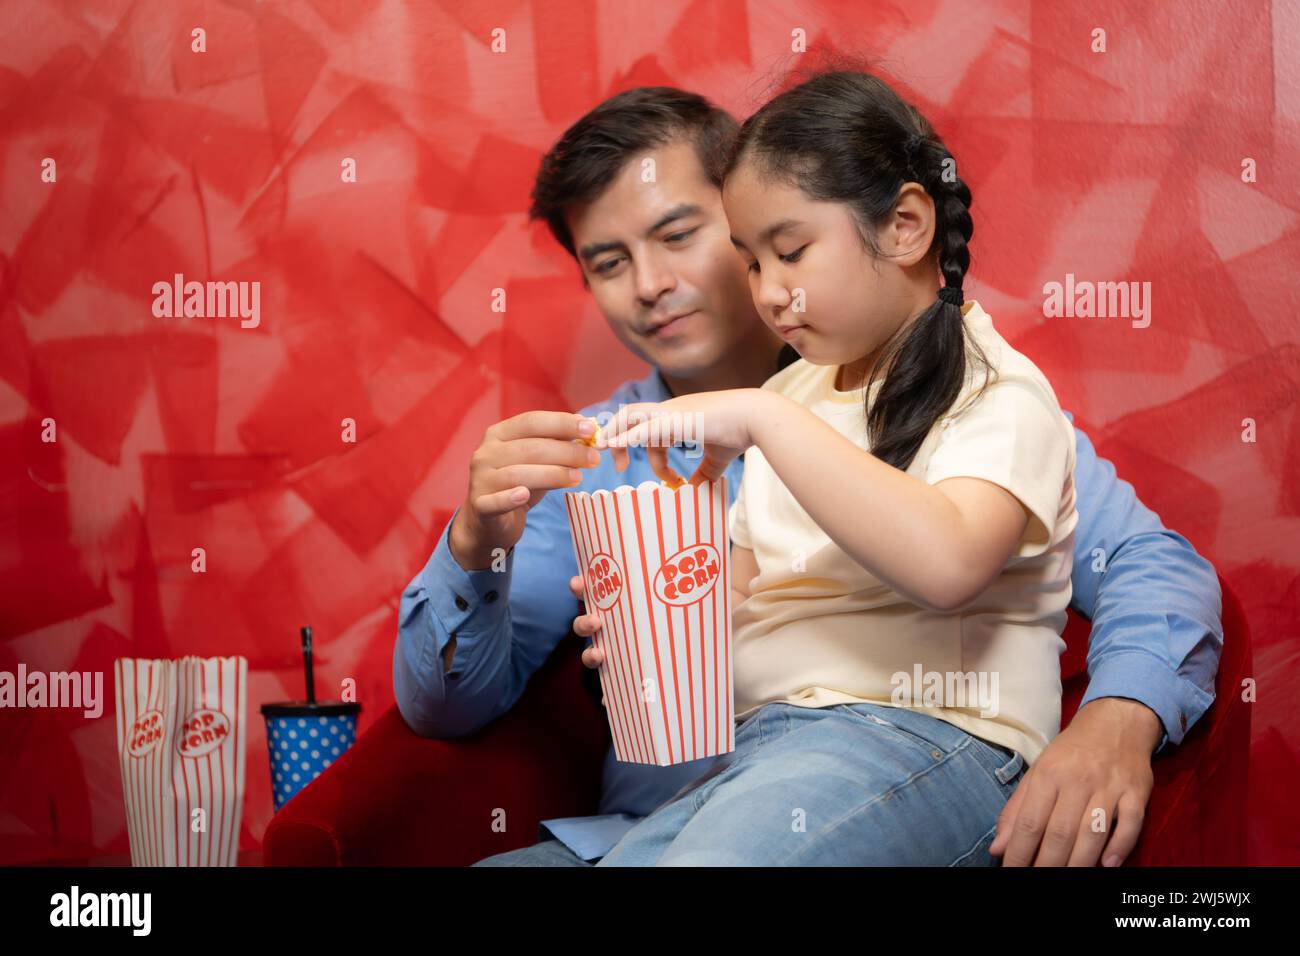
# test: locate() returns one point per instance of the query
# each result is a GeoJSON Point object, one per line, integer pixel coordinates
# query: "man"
{"type": "Point", "coordinates": [632, 192]}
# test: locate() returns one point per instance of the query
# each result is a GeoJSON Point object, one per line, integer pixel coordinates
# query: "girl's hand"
{"type": "Point", "coordinates": [721, 422]}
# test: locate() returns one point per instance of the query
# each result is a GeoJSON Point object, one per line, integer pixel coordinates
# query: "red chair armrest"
{"type": "Point", "coordinates": [396, 798]}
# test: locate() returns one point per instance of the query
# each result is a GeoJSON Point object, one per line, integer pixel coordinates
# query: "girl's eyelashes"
{"type": "Point", "coordinates": [788, 257]}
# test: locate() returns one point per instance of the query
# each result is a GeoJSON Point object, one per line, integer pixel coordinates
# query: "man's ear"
{"type": "Point", "coordinates": [906, 236]}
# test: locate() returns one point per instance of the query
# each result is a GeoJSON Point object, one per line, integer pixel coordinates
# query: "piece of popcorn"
{"type": "Point", "coordinates": [590, 441]}
{"type": "Point", "coordinates": [670, 478]}
{"type": "Point", "coordinates": [667, 476]}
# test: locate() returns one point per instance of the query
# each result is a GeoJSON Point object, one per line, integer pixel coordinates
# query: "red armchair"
{"type": "Point", "coordinates": [399, 799]}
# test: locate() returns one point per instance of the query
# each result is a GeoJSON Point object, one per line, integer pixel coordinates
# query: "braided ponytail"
{"type": "Point", "coordinates": [848, 137]}
{"type": "Point", "coordinates": [928, 367]}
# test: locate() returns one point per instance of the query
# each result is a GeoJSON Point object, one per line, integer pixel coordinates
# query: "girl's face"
{"type": "Point", "coordinates": [813, 280]}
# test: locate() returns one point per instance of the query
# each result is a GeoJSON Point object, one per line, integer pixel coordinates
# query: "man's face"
{"type": "Point", "coordinates": [658, 258]}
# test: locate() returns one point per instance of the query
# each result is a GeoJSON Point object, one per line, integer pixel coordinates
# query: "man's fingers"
{"type": "Point", "coordinates": [522, 483]}
{"type": "Point", "coordinates": [538, 477]}
{"type": "Point", "coordinates": [525, 484]}
{"type": "Point", "coordinates": [1089, 841]}
{"type": "Point", "coordinates": [575, 585]}
{"type": "Point", "coordinates": [621, 459]}
{"type": "Point", "coordinates": [593, 657]}
{"type": "Point", "coordinates": [1005, 820]}
{"type": "Point", "coordinates": [546, 451]}
{"type": "Point", "coordinates": [538, 424]}
{"type": "Point", "coordinates": [1071, 814]}
{"type": "Point", "coordinates": [1029, 822]}
{"type": "Point", "coordinates": [1129, 817]}
{"type": "Point", "coordinates": [585, 625]}
{"type": "Point", "coordinates": [501, 502]}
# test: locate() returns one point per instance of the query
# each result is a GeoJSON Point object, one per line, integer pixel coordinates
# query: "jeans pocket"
{"type": "Point", "coordinates": [1006, 765]}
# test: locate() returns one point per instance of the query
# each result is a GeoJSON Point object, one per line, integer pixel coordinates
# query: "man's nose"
{"type": "Point", "coordinates": [653, 279]}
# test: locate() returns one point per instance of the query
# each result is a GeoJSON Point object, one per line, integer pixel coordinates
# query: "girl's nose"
{"type": "Point", "coordinates": [773, 295]}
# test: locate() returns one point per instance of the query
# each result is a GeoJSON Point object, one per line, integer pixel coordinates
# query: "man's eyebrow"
{"type": "Point", "coordinates": [593, 249]}
{"type": "Point", "coordinates": [680, 211]}
{"type": "Point", "coordinates": [771, 232]}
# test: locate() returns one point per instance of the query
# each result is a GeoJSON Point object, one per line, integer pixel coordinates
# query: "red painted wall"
{"type": "Point", "coordinates": [375, 305]}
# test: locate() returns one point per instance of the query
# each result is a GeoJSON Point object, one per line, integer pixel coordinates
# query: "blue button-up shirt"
{"type": "Point", "coordinates": [1153, 601]}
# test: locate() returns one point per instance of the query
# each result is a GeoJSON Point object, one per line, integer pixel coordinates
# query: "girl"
{"type": "Point", "coordinates": [902, 538]}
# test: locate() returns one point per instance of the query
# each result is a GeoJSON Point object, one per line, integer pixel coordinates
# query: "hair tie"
{"type": "Point", "coordinates": [951, 294]}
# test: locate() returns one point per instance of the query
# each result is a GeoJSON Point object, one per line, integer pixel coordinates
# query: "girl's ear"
{"type": "Point", "coordinates": [906, 235]}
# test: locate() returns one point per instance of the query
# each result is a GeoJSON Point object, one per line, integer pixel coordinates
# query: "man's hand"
{"type": "Point", "coordinates": [586, 625]}
{"type": "Point", "coordinates": [1101, 761]}
{"type": "Point", "coordinates": [518, 461]}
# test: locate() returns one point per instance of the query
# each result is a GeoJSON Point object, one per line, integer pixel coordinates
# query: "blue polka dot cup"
{"type": "Point", "coordinates": [303, 739]}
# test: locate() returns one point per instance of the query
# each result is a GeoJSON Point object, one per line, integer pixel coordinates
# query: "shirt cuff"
{"type": "Point", "coordinates": [466, 602]}
{"type": "Point", "coordinates": [1146, 680]}
{"type": "Point", "coordinates": [588, 838]}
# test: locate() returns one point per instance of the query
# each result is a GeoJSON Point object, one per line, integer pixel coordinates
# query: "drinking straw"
{"type": "Point", "coordinates": [306, 664]}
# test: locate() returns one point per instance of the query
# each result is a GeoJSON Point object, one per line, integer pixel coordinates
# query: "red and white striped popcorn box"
{"type": "Point", "coordinates": [181, 738]}
{"type": "Point", "coordinates": [657, 565]}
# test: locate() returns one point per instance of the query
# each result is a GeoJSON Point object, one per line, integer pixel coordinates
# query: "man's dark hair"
{"type": "Point", "coordinates": [591, 152]}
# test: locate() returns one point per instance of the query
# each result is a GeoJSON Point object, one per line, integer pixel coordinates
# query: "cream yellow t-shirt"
{"type": "Point", "coordinates": [818, 629]}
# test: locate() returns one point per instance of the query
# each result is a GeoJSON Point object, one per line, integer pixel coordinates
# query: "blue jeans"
{"type": "Point", "coordinates": [549, 852]}
{"type": "Point", "coordinates": [847, 785]}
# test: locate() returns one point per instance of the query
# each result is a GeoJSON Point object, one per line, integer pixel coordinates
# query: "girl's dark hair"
{"type": "Point", "coordinates": [847, 136]}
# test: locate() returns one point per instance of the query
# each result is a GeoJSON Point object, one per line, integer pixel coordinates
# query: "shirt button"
{"type": "Point", "coordinates": [490, 597]}
{"type": "Point", "coordinates": [461, 603]}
